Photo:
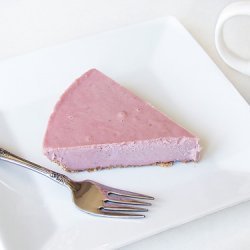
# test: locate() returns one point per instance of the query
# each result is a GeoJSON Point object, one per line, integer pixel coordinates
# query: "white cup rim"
{"type": "Point", "coordinates": [241, 8]}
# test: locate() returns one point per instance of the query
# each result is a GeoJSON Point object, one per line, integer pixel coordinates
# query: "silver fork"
{"type": "Point", "coordinates": [90, 196]}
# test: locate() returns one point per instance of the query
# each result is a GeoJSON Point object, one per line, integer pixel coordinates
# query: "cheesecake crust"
{"type": "Point", "coordinates": [160, 164]}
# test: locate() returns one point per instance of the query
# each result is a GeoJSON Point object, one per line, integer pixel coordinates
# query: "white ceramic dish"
{"type": "Point", "coordinates": [162, 63]}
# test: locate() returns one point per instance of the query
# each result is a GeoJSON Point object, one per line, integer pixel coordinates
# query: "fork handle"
{"type": "Point", "coordinates": [59, 178]}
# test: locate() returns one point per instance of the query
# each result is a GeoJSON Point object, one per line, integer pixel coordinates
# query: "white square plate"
{"type": "Point", "coordinates": [159, 61]}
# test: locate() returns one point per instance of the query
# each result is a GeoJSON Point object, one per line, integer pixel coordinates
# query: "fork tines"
{"type": "Point", "coordinates": [125, 204]}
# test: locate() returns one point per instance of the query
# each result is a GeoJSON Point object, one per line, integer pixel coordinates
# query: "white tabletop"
{"type": "Point", "coordinates": [26, 25]}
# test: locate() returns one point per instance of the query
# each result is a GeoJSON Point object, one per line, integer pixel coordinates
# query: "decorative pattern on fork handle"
{"type": "Point", "coordinates": [3, 152]}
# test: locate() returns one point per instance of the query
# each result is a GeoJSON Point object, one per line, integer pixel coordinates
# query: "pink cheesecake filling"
{"type": "Point", "coordinates": [99, 123]}
{"type": "Point", "coordinates": [137, 153]}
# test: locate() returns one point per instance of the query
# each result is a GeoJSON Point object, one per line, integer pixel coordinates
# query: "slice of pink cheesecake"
{"type": "Point", "coordinates": [97, 123]}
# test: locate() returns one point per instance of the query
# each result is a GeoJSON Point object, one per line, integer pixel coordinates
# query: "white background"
{"type": "Point", "coordinates": [27, 25]}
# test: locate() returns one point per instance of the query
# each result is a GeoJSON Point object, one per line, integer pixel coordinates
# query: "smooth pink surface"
{"type": "Point", "coordinates": [98, 123]}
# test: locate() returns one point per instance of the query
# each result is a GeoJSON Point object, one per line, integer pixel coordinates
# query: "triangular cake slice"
{"type": "Point", "coordinates": [97, 123]}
